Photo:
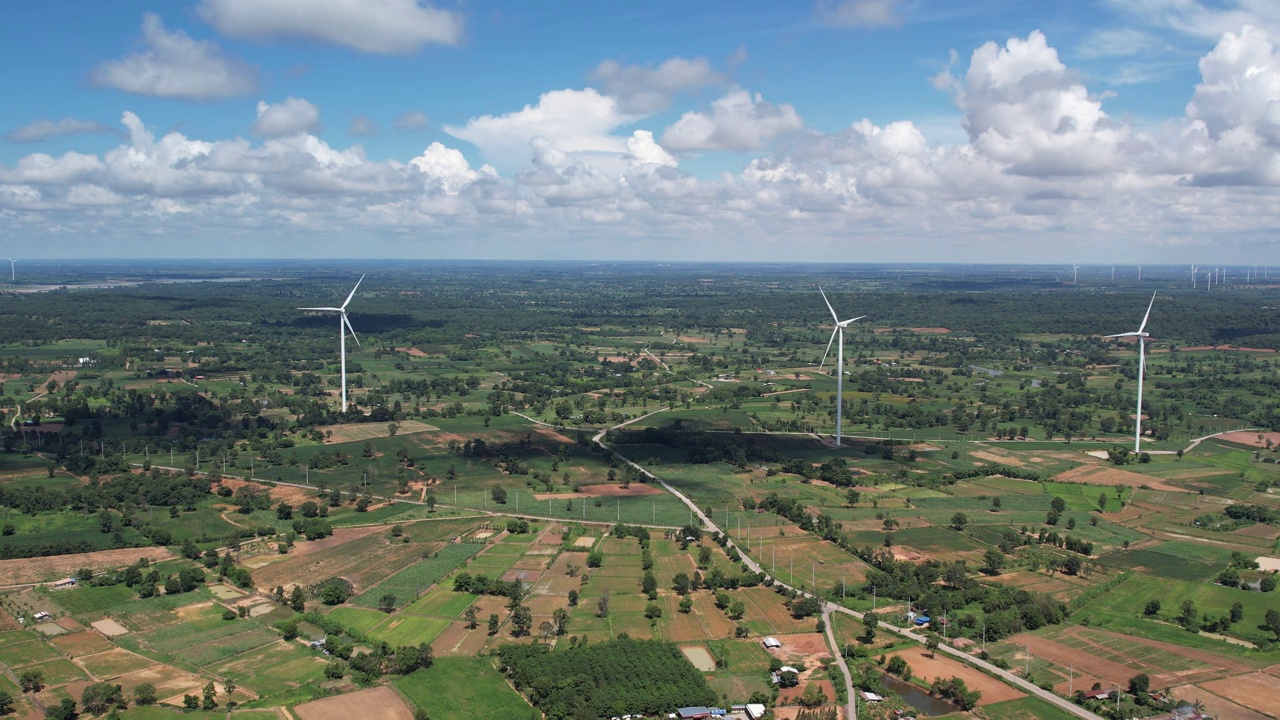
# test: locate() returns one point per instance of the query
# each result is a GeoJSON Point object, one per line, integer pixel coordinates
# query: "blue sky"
{"type": "Point", "coordinates": [1094, 131]}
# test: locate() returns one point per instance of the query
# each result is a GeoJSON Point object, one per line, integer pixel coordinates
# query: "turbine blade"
{"type": "Point", "coordinates": [828, 352]}
{"type": "Point", "coordinates": [828, 302]}
{"type": "Point", "coordinates": [347, 322]}
{"type": "Point", "coordinates": [1143, 326]}
{"type": "Point", "coordinates": [324, 308]}
{"type": "Point", "coordinates": [1128, 334]}
{"type": "Point", "coordinates": [846, 322]}
{"type": "Point", "coordinates": [353, 292]}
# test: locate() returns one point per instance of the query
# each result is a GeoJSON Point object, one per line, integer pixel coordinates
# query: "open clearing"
{"type": "Point", "coordinates": [110, 628]}
{"type": "Point", "coordinates": [369, 431]}
{"type": "Point", "coordinates": [1257, 691]}
{"type": "Point", "coordinates": [56, 567]}
{"type": "Point", "coordinates": [1111, 476]}
{"type": "Point", "coordinates": [925, 666]}
{"type": "Point", "coordinates": [373, 704]}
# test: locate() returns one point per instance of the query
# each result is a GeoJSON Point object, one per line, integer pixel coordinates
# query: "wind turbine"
{"type": "Point", "coordinates": [1193, 275]}
{"type": "Point", "coordinates": [343, 326]}
{"type": "Point", "coordinates": [839, 329]}
{"type": "Point", "coordinates": [12, 276]}
{"type": "Point", "coordinates": [1142, 336]}
{"type": "Point", "coordinates": [1075, 274]}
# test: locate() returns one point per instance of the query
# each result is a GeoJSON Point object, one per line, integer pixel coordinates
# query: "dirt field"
{"type": "Point", "coordinates": [1110, 477]}
{"type": "Point", "coordinates": [1269, 563]}
{"type": "Point", "coordinates": [1216, 705]}
{"type": "Point", "coordinates": [1250, 438]}
{"type": "Point", "coordinates": [923, 666]}
{"type": "Point", "coordinates": [56, 567]}
{"type": "Point", "coordinates": [364, 560]}
{"type": "Point", "coordinates": [1257, 691]}
{"type": "Point", "coordinates": [380, 703]}
{"type": "Point", "coordinates": [110, 628]}
{"type": "Point", "coordinates": [604, 490]}
{"type": "Point", "coordinates": [368, 431]}
{"type": "Point", "coordinates": [1001, 458]}
{"type": "Point", "coordinates": [802, 645]}
{"type": "Point", "coordinates": [790, 695]}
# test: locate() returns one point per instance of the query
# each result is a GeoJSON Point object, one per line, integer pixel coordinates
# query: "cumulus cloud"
{"type": "Point", "coordinates": [643, 90]}
{"type": "Point", "coordinates": [45, 129]}
{"type": "Point", "coordinates": [411, 121]}
{"type": "Point", "coordinates": [858, 13]}
{"type": "Point", "coordinates": [738, 121]}
{"type": "Point", "coordinates": [373, 26]}
{"type": "Point", "coordinates": [362, 126]}
{"type": "Point", "coordinates": [642, 150]}
{"type": "Point", "coordinates": [1024, 108]}
{"type": "Point", "coordinates": [288, 117]}
{"type": "Point", "coordinates": [573, 121]}
{"type": "Point", "coordinates": [172, 64]}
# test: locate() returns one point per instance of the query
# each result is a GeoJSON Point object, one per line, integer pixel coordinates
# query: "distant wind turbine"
{"type": "Point", "coordinates": [12, 276]}
{"type": "Point", "coordinates": [1193, 275]}
{"type": "Point", "coordinates": [1075, 274]}
{"type": "Point", "coordinates": [1142, 336]}
{"type": "Point", "coordinates": [839, 330]}
{"type": "Point", "coordinates": [343, 326]}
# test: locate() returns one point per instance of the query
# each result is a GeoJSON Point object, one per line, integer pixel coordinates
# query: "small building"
{"type": "Point", "coordinates": [921, 620]}
{"type": "Point", "coordinates": [64, 583]}
{"type": "Point", "coordinates": [43, 616]}
{"type": "Point", "coordinates": [755, 711]}
{"type": "Point", "coordinates": [1097, 695]}
{"type": "Point", "coordinates": [695, 711]}
{"type": "Point", "coordinates": [871, 697]}
{"type": "Point", "coordinates": [771, 643]}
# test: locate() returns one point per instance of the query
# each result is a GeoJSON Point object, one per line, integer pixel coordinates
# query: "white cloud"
{"type": "Point", "coordinates": [1203, 19]}
{"type": "Point", "coordinates": [642, 150]}
{"type": "Point", "coordinates": [643, 90]}
{"type": "Point", "coordinates": [1024, 108]}
{"type": "Point", "coordinates": [738, 121]}
{"type": "Point", "coordinates": [172, 64]}
{"type": "Point", "coordinates": [373, 26]}
{"type": "Point", "coordinates": [1117, 42]}
{"type": "Point", "coordinates": [447, 168]}
{"type": "Point", "coordinates": [42, 169]}
{"type": "Point", "coordinates": [572, 121]}
{"type": "Point", "coordinates": [45, 129]}
{"type": "Point", "coordinates": [288, 117]}
{"type": "Point", "coordinates": [362, 126]}
{"type": "Point", "coordinates": [413, 120]}
{"type": "Point", "coordinates": [858, 13]}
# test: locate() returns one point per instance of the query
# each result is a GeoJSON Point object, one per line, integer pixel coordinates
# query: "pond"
{"type": "Point", "coordinates": [922, 701]}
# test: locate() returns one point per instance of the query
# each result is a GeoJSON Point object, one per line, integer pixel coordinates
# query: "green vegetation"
{"type": "Point", "coordinates": [459, 688]}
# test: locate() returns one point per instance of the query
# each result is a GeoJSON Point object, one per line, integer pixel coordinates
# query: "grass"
{"type": "Point", "coordinates": [409, 629]}
{"type": "Point", "coordinates": [358, 619]}
{"type": "Point", "coordinates": [461, 689]}
{"type": "Point", "coordinates": [1027, 708]}
{"type": "Point", "coordinates": [92, 599]}
{"type": "Point", "coordinates": [410, 582]}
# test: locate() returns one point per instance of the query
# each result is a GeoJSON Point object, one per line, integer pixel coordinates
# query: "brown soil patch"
{"type": "Point", "coordinates": [1216, 705]}
{"type": "Point", "coordinates": [380, 703]}
{"type": "Point", "coordinates": [339, 536]}
{"type": "Point", "coordinates": [804, 644]}
{"type": "Point", "coordinates": [1110, 672]}
{"type": "Point", "coordinates": [1250, 439]}
{"type": "Point", "coordinates": [81, 643]}
{"type": "Point", "coordinates": [295, 496]}
{"type": "Point", "coordinates": [924, 666]}
{"type": "Point", "coordinates": [351, 432]}
{"type": "Point", "coordinates": [1110, 476]}
{"type": "Point", "coordinates": [110, 628]}
{"type": "Point", "coordinates": [55, 567]}
{"type": "Point", "coordinates": [1257, 691]}
{"type": "Point", "coordinates": [1000, 458]}
{"type": "Point", "coordinates": [1266, 532]}
{"type": "Point", "coordinates": [413, 352]}
{"type": "Point", "coordinates": [792, 695]}
{"type": "Point", "coordinates": [691, 339]}
{"type": "Point", "coordinates": [785, 392]}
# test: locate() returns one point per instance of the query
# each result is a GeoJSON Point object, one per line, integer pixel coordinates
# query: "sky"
{"type": "Point", "coordinates": [1091, 131]}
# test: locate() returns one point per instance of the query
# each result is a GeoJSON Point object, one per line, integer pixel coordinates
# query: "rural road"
{"type": "Point", "coordinates": [851, 710]}
{"type": "Point", "coordinates": [752, 565]}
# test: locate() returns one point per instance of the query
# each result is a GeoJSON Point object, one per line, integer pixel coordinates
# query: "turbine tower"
{"type": "Point", "coordinates": [1193, 275]}
{"type": "Point", "coordinates": [1075, 274]}
{"type": "Point", "coordinates": [12, 276]}
{"type": "Point", "coordinates": [839, 330]}
{"type": "Point", "coordinates": [1142, 336]}
{"type": "Point", "coordinates": [343, 326]}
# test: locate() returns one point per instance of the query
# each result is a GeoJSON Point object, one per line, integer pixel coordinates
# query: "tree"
{"type": "Point", "coordinates": [561, 619]}
{"type": "Point", "coordinates": [6, 703]}
{"type": "Point", "coordinates": [31, 681]}
{"type": "Point", "coordinates": [1058, 505]}
{"type": "Point", "coordinates": [309, 509]}
{"type": "Point", "coordinates": [993, 561]}
{"type": "Point", "coordinates": [650, 585]}
{"type": "Point", "coordinates": [284, 511]}
{"type": "Point", "coordinates": [470, 616]}
{"type": "Point", "coordinates": [1190, 617]}
{"type": "Point", "coordinates": [190, 702]}
{"type": "Point", "coordinates": [653, 611]}
{"type": "Point", "coordinates": [931, 644]}
{"type": "Point", "coordinates": [521, 621]}
{"type": "Point", "coordinates": [297, 599]}
{"type": "Point", "coordinates": [686, 605]}
{"type": "Point", "coordinates": [1139, 683]}
{"type": "Point", "coordinates": [1272, 621]}
{"type": "Point", "coordinates": [493, 624]}
{"type": "Point", "coordinates": [497, 494]}
{"type": "Point", "coordinates": [573, 598]}
{"type": "Point", "coordinates": [898, 666]}
{"type": "Point", "coordinates": [144, 694]}
{"type": "Point", "coordinates": [100, 697]}
{"type": "Point", "coordinates": [602, 605]}
{"type": "Point", "coordinates": [680, 583]}
{"type": "Point", "coordinates": [958, 521]}
{"type": "Point", "coordinates": [853, 496]}
{"type": "Point", "coordinates": [65, 710]}
{"type": "Point", "coordinates": [737, 610]}
{"type": "Point", "coordinates": [996, 504]}
{"type": "Point", "coordinates": [1237, 612]}
{"type": "Point", "coordinates": [387, 603]}
{"type": "Point", "coordinates": [1102, 502]}
{"type": "Point", "coordinates": [1152, 609]}
{"type": "Point", "coordinates": [209, 693]}
{"type": "Point", "coordinates": [431, 503]}
{"type": "Point", "coordinates": [870, 621]}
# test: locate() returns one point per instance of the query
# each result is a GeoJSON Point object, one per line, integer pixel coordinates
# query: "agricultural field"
{"type": "Point", "coordinates": [985, 476]}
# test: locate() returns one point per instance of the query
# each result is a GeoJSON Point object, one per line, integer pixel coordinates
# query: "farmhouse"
{"type": "Point", "coordinates": [922, 620]}
{"type": "Point", "coordinates": [771, 643]}
{"type": "Point", "coordinates": [1097, 695]}
{"type": "Point", "coordinates": [64, 584]}
{"type": "Point", "coordinates": [871, 697]}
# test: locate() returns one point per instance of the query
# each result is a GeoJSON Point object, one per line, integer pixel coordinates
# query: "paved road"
{"type": "Point", "coordinates": [851, 708]}
{"type": "Point", "coordinates": [752, 565]}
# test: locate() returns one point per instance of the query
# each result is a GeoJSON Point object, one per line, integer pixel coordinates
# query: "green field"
{"type": "Point", "coordinates": [463, 689]}
{"type": "Point", "coordinates": [410, 582]}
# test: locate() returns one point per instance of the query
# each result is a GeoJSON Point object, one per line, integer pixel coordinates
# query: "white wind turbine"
{"type": "Point", "coordinates": [1075, 274]}
{"type": "Point", "coordinates": [12, 276]}
{"type": "Point", "coordinates": [839, 329]}
{"type": "Point", "coordinates": [343, 326]}
{"type": "Point", "coordinates": [1142, 336]}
